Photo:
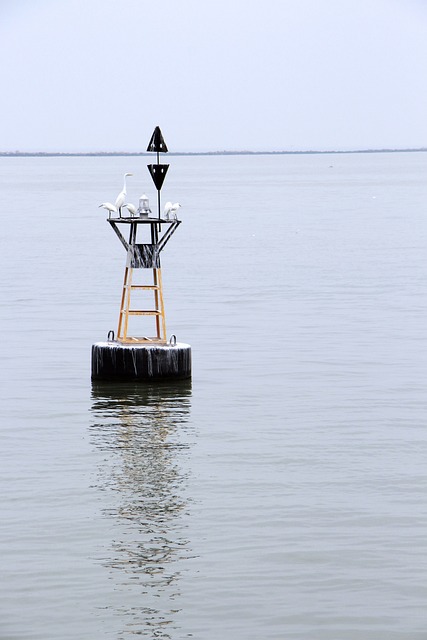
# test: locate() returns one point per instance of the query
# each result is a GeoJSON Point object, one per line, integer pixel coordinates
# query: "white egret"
{"type": "Point", "coordinates": [171, 209]}
{"type": "Point", "coordinates": [109, 207]}
{"type": "Point", "coordinates": [120, 200]}
{"type": "Point", "coordinates": [166, 210]}
{"type": "Point", "coordinates": [174, 209]}
{"type": "Point", "coordinates": [131, 208]}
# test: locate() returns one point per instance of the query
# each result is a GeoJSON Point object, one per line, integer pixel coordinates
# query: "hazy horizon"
{"type": "Point", "coordinates": [212, 152]}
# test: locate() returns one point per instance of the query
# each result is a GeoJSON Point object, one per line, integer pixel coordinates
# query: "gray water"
{"type": "Point", "coordinates": [281, 493]}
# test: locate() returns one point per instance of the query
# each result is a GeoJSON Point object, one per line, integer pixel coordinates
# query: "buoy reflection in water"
{"type": "Point", "coordinates": [142, 431]}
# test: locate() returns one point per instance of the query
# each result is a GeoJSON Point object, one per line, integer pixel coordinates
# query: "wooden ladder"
{"type": "Point", "coordinates": [158, 312]}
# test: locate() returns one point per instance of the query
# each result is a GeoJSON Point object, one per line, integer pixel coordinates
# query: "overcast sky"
{"type": "Point", "coordinates": [98, 75]}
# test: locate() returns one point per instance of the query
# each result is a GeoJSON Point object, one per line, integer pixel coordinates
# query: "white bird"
{"type": "Point", "coordinates": [131, 208]}
{"type": "Point", "coordinates": [109, 207]}
{"type": "Point", "coordinates": [174, 209]}
{"type": "Point", "coordinates": [122, 195]}
{"type": "Point", "coordinates": [171, 209]}
{"type": "Point", "coordinates": [166, 210]}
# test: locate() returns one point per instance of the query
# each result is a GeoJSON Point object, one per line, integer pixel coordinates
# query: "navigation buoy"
{"type": "Point", "coordinates": [149, 358]}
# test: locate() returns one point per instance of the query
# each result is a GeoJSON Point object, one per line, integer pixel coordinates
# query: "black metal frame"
{"type": "Point", "coordinates": [157, 243]}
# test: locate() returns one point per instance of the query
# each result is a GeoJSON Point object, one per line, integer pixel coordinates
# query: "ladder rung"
{"type": "Point", "coordinates": [147, 287]}
{"type": "Point", "coordinates": [135, 312]}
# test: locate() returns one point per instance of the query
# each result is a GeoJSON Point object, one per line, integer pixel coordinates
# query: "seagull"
{"type": "Point", "coordinates": [122, 195]}
{"type": "Point", "coordinates": [131, 208]}
{"type": "Point", "coordinates": [171, 209]}
{"type": "Point", "coordinates": [109, 207]}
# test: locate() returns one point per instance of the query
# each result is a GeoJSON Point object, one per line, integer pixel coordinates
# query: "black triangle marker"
{"type": "Point", "coordinates": [157, 142]}
{"type": "Point", "coordinates": [158, 173]}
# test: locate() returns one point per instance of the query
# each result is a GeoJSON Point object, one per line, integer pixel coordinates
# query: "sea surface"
{"type": "Point", "coordinates": [279, 495]}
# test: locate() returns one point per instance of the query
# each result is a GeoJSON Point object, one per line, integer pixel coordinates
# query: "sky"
{"type": "Point", "coordinates": [215, 75]}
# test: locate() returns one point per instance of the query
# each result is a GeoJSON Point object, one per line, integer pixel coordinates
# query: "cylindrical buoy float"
{"type": "Point", "coordinates": [136, 362]}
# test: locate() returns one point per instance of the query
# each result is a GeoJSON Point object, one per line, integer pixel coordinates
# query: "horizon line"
{"type": "Point", "coordinates": [206, 153]}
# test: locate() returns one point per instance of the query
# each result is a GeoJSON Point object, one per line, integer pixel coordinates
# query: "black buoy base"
{"type": "Point", "coordinates": [140, 362]}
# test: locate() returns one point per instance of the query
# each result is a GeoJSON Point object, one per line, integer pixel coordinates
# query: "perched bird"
{"type": "Point", "coordinates": [109, 207]}
{"type": "Point", "coordinates": [166, 210]}
{"type": "Point", "coordinates": [174, 209]}
{"type": "Point", "coordinates": [171, 209]}
{"type": "Point", "coordinates": [120, 200]}
{"type": "Point", "coordinates": [131, 208]}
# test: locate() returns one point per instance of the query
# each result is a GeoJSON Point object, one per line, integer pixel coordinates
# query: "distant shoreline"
{"type": "Point", "coordinates": [50, 154]}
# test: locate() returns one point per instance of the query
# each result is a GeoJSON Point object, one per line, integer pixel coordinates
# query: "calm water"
{"type": "Point", "coordinates": [281, 494]}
